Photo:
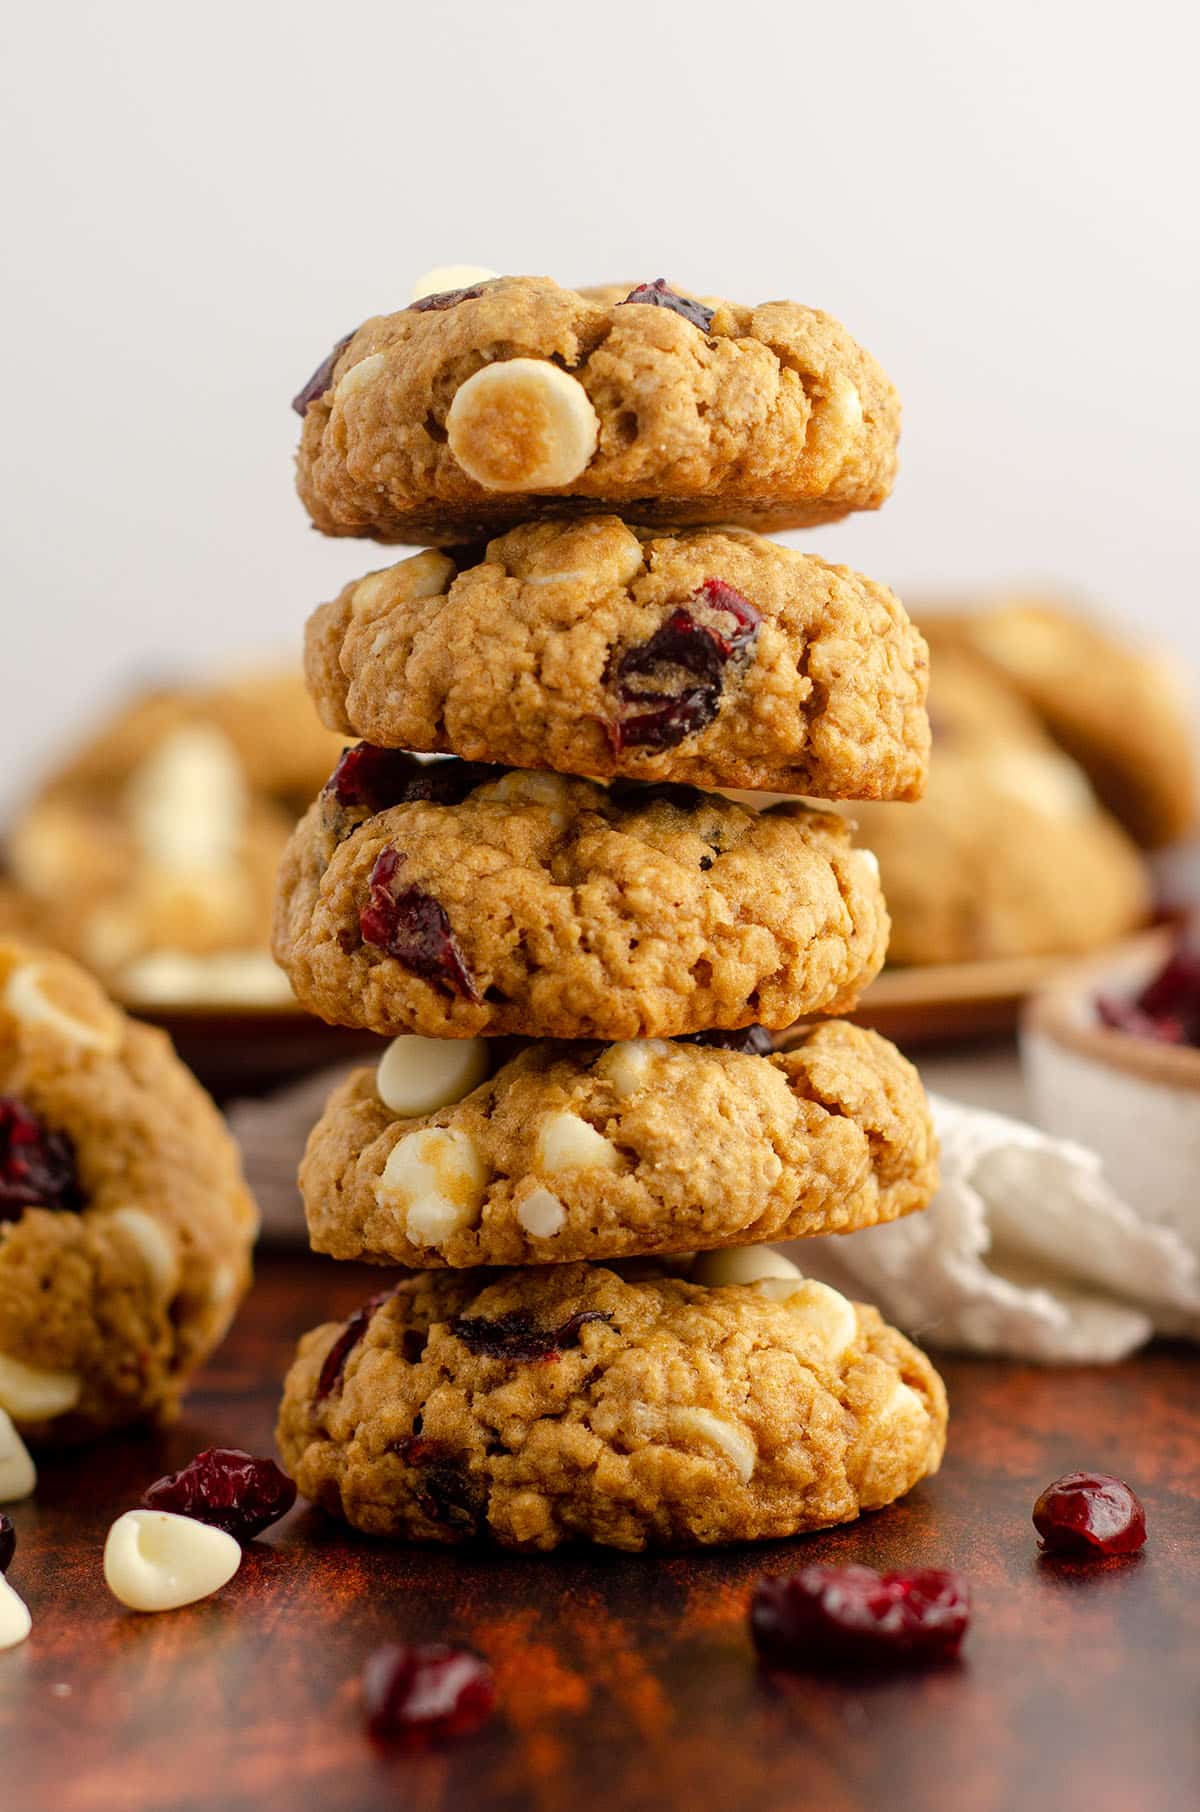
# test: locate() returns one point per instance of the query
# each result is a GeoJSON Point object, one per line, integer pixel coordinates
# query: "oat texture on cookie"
{"type": "Point", "coordinates": [597, 1110]}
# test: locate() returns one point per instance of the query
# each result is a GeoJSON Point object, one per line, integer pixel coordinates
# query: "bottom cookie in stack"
{"type": "Point", "coordinates": [646, 1405]}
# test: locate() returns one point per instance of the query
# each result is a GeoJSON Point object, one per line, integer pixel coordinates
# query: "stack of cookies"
{"type": "Point", "coordinates": [582, 1134]}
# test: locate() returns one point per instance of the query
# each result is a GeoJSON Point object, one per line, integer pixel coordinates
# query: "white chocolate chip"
{"type": "Point", "coordinates": [870, 860]}
{"type": "Point", "coordinates": [613, 559]}
{"type": "Point", "coordinates": [187, 801]}
{"type": "Point", "coordinates": [450, 276]}
{"type": "Point", "coordinates": [25, 997]}
{"type": "Point", "coordinates": [418, 1075]}
{"type": "Point", "coordinates": [565, 1142]}
{"type": "Point", "coordinates": [830, 1315]}
{"type": "Point", "coordinates": [15, 1621]}
{"type": "Point", "coordinates": [727, 1437]}
{"type": "Point", "coordinates": [425, 575]}
{"type": "Point", "coordinates": [359, 376]}
{"type": "Point", "coordinates": [770, 1273]}
{"type": "Point", "coordinates": [155, 1561]}
{"type": "Point", "coordinates": [523, 787]}
{"type": "Point", "coordinates": [541, 1214]}
{"type": "Point", "coordinates": [221, 1285]}
{"type": "Point", "coordinates": [844, 405]}
{"type": "Point", "coordinates": [34, 1395]}
{"type": "Point", "coordinates": [903, 1411]}
{"type": "Point", "coordinates": [437, 1178]}
{"type": "Point", "coordinates": [627, 1065]}
{"type": "Point", "coordinates": [522, 424]}
{"type": "Point", "coordinates": [157, 1250]}
{"type": "Point", "coordinates": [18, 1474]}
{"type": "Point", "coordinates": [232, 977]}
{"type": "Point", "coordinates": [1044, 780]}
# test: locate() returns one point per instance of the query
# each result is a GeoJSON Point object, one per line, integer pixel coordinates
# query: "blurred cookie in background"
{"type": "Point", "coordinates": [150, 854]}
{"type": "Point", "coordinates": [1122, 711]}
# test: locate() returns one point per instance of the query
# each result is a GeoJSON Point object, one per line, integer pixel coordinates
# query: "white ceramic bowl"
{"type": "Point", "coordinates": [1134, 1102]}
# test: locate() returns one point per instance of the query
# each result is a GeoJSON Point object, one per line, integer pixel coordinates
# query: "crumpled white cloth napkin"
{"type": "Point", "coordinates": [1025, 1250]}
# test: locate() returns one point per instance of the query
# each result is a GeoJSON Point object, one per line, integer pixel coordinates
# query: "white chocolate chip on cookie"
{"type": "Point", "coordinates": [359, 376]}
{"type": "Point", "coordinates": [188, 801]}
{"type": "Point", "coordinates": [565, 1142]}
{"type": "Point", "coordinates": [829, 1314]}
{"type": "Point", "coordinates": [437, 1177]}
{"type": "Point", "coordinates": [727, 1437]}
{"type": "Point", "coordinates": [418, 1075]}
{"type": "Point", "coordinates": [64, 1002]}
{"type": "Point", "coordinates": [32, 1394]}
{"type": "Point", "coordinates": [18, 1475]}
{"type": "Point", "coordinates": [770, 1273]}
{"type": "Point", "coordinates": [425, 575]}
{"type": "Point", "coordinates": [155, 1561]}
{"type": "Point", "coordinates": [627, 1065]}
{"type": "Point", "coordinates": [15, 1621]}
{"type": "Point", "coordinates": [541, 1214]}
{"type": "Point", "coordinates": [157, 1250]}
{"type": "Point", "coordinates": [445, 277]}
{"type": "Point", "coordinates": [522, 424]}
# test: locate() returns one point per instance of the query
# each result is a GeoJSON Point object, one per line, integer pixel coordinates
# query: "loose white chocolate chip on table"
{"type": "Point", "coordinates": [18, 1474]}
{"type": "Point", "coordinates": [768, 1271]}
{"type": "Point", "coordinates": [541, 1214]}
{"type": "Point", "coordinates": [15, 1621]}
{"type": "Point", "coordinates": [437, 1177]}
{"type": "Point", "coordinates": [627, 1065]}
{"type": "Point", "coordinates": [359, 376]}
{"type": "Point", "coordinates": [522, 424]}
{"type": "Point", "coordinates": [26, 998]}
{"type": "Point", "coordinates": [450, 276]}
{"type": "Point", "coordinates": [714, 1431]}
{"type": "Point", "coordinates": [155, 1561]}
{"type": "Point", "coordinates": [829, 1314]}
{"type": "Point", "coordinates": [34, 1395]}
{"type": "Point", "coordinates": [418, 1075]}
{"type": "Point", "coordinates": [157, 1250]}
{"type": "Point", "coordinates": [565, 1142]}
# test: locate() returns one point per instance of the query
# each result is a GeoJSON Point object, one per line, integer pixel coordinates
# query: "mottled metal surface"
{"type": "Point", "coordinates": [627, 1684]}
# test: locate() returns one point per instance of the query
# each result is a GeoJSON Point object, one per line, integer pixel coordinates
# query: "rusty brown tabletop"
{"type": "Point", "coordinates": [625, 1682]}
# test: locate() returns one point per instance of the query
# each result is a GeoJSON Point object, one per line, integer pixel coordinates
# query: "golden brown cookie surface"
{"type": "Point", "coordinates": [125, 1222]}
{"type": "Point", "coordinates": [572, 1403]}
{"type": "Point", "coordinates": [543, 906]}
{"type": "Point", "coordinates": [585, 1151]}
{"type": "Point", "coordinates": [712, 657]}
{"type": "Point", "coordinates": [468, 413]}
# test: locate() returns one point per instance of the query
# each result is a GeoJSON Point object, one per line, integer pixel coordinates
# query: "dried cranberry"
{"type": "Point", "coordinates": [37, 1164]}
{"type": "Point", "coordinates": [636, 793]}
{"type": "Point", "coordinates": [445, 298]}
{"type": "Point", "coordinates": [516, 1336]}
{"type": "Point", "coordinates": [379, 778]}
{"type": "Point", "coordinates": [659, 294]}
{"type": "Point", "coordinates": [322, 377]}
{"type": "Point", "coordinates": [227, 1488]}
{"type": "Point", "coordinates": [1089, 1514]}
{"type": "Point", "coordinates": [335, 1359]}
{"type": "Point", "coordinates": [1168, 1007]}
{"type": "Point", "coordinates": [412, 926]}
{"type": "Point", "coordinates": [751, 1041]}
{"type": "Point", "coordinates": [445, 1491]}
{"type": "Point", "coordinates": [1127, 1016]}
{"type": "Point", "coordinates": [415, 1694]}
{"type": "Point", "coordinates": [8, 1542]}
{"type": "Point", "coordinates": [853, 1615]}
{"type": "Point", "coordinates": [674, 680]}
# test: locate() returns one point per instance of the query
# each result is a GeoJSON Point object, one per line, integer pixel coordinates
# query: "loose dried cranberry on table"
{"type": "Point", "coordinates": [8, 1542]}
{"type": "Point", "coordinates": [379, 778]}
{"type": "Point", "coordinates": [854, 1616]}
{"type": "Point", "coordinates": [670, 686]}
{"type": "Point", "coordinates": [1089, 1515]}
{"type": "Point", "coordinates": [1167, 1008]}
{"type": "Point", "coordinates": [659, 294]}
{"type": "Point", "coordinates": [750, 1041]}
{"type": "Point", "coordinates": [416, 1693]}
{"type": "Point", "coordinates": [409, 924]}
{"type": "Point", "coordinates": [37, 1164]}
{"type": "Point", "coordinates": [516, 1336]}
{"type": "Point", "coordinates": [227, 1489]}
{"type": "Point", "coordinates": [445, 298]}
{"type": "Point", "coordinates": [322, 377]}
{"type": "Point", "coordinates": [334, 1363]}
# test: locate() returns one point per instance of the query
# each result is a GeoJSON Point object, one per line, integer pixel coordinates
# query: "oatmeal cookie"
{"type": "Point", "coordinates": [569, 1403]}
{"type": "Point", "coordinates": [471, 411]}
{"type": "Point", "coordinates": [712, 657]}
{"type": "Point", "coordinates": [456, 900]}
{"type": "Point", "coordinates": [125, 1223]}
{"type": "Point", "coordinates": [589, 1151]}
{"type": "Point", "coordinates": [1121, 712]}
